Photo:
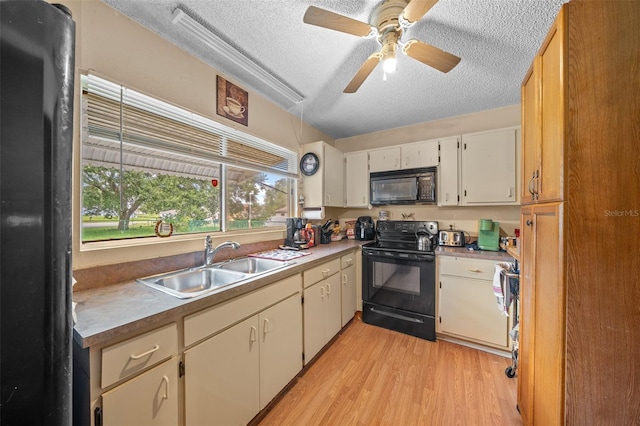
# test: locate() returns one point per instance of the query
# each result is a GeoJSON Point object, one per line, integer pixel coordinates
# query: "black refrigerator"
{"type": "Point", "coordinates": [37, 43]}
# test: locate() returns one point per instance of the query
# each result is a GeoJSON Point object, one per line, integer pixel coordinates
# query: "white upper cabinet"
{"type": "Point", "coordinates": [407, 156]}
{"type": "Point", "coordinates": [419, 154]}
{"type": "Point", "coordinates": [357, 179]}
{"type": "Point", "coordinates": [382, 160]}
{"type": "Point", "coordinates": [448, 188]}
{"type": "Point", "coordinates": [325, 186]}
{"type": "Point", "coordinates": [488, 167]}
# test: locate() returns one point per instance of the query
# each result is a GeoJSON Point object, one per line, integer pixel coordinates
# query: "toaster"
{"type": "Point", "coordinates": [451, 238]}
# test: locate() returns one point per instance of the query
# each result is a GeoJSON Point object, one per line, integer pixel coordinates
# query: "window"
{"type": "Point", "coordinates": [146, 163]}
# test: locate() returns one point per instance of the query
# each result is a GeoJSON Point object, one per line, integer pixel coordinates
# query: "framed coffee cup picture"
{"type": "Point", "coordinates": [231, 101]}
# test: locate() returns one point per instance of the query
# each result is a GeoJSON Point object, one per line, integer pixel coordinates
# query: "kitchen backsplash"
{"type": "Point", "coordinates": [460, 218]}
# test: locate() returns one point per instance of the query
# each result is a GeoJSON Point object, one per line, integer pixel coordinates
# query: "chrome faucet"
{"type": "Point", "coordinates": [209, 252]}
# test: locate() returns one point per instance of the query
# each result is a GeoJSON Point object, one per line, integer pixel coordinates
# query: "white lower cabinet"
{"type": "Point", "coordinates": [322, 314]}
{"type": "Point", "coordinates": [148, 399]}
{"type": "Point", "coordinates": [467, 306]}
{"type": "Point", "coordinates": [222, 383]}
{"type": "Point", "coordinates": [348, 276]}
{"type": "Point", "coordinates": [231, 376]}
{"type": "Point", "coordinates": [280, 347]}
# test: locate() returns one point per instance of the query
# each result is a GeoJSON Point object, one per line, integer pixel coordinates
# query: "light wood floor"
{"type": "Point", "coordinates": [373, 376]}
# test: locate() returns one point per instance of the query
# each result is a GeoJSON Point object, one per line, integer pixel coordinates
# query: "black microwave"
{"type": "Point", "coordinates": [412, 186]}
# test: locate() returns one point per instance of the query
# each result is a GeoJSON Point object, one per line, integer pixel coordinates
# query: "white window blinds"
{"type": "Point", "coordinates": [120, 124]}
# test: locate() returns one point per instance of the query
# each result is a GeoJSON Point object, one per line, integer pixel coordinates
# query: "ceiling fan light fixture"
{"type": "Point", "coordinates": [390, 64]}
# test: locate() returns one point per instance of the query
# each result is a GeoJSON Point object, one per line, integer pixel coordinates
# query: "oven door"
{"type": "Point", "coordinates": [404, 281]}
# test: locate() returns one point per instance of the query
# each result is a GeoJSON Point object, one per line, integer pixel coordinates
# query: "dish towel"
{"type": "Point", "coordinates": [501, 287]}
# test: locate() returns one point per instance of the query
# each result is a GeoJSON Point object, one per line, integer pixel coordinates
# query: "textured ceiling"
{"type": "Point", "coordinates": [496, 39]}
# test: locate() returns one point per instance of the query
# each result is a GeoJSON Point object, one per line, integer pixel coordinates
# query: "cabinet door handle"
{"type": "Point", "coordinates": [143, 354]}
{"type": "Point", "coordinates": [509, 192]}
{"type": "Point", "coordinates": [165, 379]}
{"type": "Point", "coordinates": [322, 292]}
{"type": "Point", "coordinates": [252, 336]}
{"type": "Point", "coordinates": [344, 279]}
{"type": "Point", "coordinates": [328, 289]}
{"type": "Point", "coordinates": [529, 222]}
{"type": "Point", "coordinates": [265, 327]}
{"type": "Point", "coordinates": [530, 186]}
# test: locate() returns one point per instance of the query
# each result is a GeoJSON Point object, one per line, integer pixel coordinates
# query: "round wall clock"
{"type": "Point", "coordinates": [309, 164]}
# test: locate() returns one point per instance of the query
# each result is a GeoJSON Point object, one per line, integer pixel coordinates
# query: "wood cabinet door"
{"type": "Point", "coordinates": [542, 316]}
{"type": "Point", "coordinates": [348, 294]}
{"type": "Point", "coordinates": [222, 377]}
{"type": "Point", "coordinates": [488, 170]}
{"type": "Point", "coordinates": [422, 154]}
{"type": "Point", "coordinates": [148, 399]}
{"type": "Point", "coordinates": [549, 315]}
{"type": "Point", "coordinates": [382, 160]}
{"type": "Point", "coordinates": [527, 319]}
{"type": "Point", "coordinates": [549, 185]}
{"type": "Point", "coordinates": [280, 347]}
{"type": "Point", "coordinates": [448, 192]}
{"type": "Point", "coordinates": [530, 132]}
{"type": "Point", "coordinates": [357, 179]}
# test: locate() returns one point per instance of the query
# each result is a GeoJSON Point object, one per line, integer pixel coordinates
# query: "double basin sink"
{"type": "Point", "coordinates": [194, 282]}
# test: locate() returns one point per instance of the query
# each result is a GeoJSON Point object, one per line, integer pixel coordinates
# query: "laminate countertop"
{"type": "Point", "coordinates": [110, 312]}
{"type": "Point", "coordinates": [498, 256]}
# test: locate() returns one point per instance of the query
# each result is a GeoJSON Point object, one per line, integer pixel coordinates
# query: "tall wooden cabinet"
{"type": "Point", "coordinates": [579, 313]}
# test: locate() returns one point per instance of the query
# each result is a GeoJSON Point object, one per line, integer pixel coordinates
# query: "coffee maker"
{"type": "Point", "coordinates": [365, 230]}
{"type": "Point", "coordinates": [296, 237]}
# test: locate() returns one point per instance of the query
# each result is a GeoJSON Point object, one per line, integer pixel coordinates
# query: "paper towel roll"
{"type": "Point", "coordinates": [313, 213]}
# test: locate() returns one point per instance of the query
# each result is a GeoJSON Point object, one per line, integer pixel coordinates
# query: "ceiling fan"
{"type": "Point", "coordinates": [390, 19]}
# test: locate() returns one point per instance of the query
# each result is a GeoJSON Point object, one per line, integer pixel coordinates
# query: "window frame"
{"type": "Point", "coordinates": [286, 169]}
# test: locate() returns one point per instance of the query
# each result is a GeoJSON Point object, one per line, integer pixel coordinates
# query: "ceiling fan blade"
{"type": "Point", "coordinates": [333, 21]}
{"type": "Point", "coordinates": [430, 55]}
{"type": "Point", "coordinates": [363, 73]}
{"type": "Point", "coordinates": [416, 9]}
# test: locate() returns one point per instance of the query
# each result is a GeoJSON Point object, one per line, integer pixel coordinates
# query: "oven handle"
{"type": "Point", "coordinates": [412, 256]}
{"type": "Point", "coordinates": [396, 316]}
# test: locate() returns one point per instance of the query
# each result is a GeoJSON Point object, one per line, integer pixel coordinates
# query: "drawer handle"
{"type": "Point", "coordinates": [143, 354]}
{"type": "Point", "coordinates": [473, 270]}
{"type": "Point", "coordinates": [165, 379]}
{"type": "Point", "coordinates": [325, 272]}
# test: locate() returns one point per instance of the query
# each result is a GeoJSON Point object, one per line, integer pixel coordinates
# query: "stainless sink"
{"type": "Point", "coordinates": [252, 265]}
{"type": "Point", "coordinates": [191, 283]}
{"type": "Point", "coordinates": [194, 282]}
